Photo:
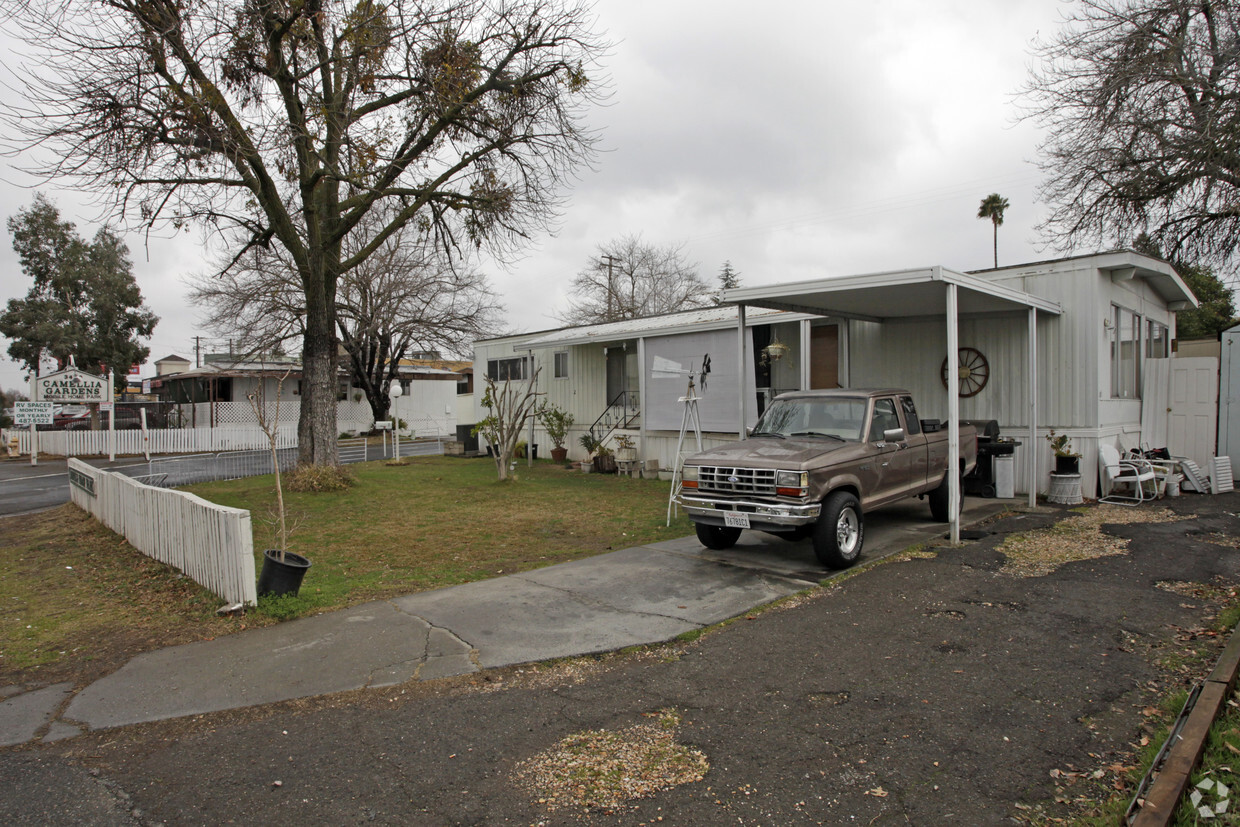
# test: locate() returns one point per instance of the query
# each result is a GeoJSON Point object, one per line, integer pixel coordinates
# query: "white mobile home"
{"type": "Point", "coordinates": [1062, 345]}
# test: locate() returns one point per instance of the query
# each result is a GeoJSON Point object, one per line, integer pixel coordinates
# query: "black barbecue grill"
{"type": "Point", "coordinates": [981, 482]}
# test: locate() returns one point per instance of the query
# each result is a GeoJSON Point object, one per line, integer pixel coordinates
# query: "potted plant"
{"type": "Point", "coordinates": [604, 460]}
{"type": "Point", "coordinates": [283, 570]}
{"type": "Point", "coordinates": [556, 421]}
{"type": "Point", "coordinates": [590, 444]}
{"type": "Point", "coordinates": [1067, 461]}
{"type": "Point", "coordinates": [625, 450]}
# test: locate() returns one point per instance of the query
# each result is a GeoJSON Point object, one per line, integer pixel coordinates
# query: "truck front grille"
{"type": "Point", "coordinates": [736, 480]}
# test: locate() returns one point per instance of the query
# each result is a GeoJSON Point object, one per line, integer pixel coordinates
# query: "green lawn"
{"type": "Point", "coordinates": [444, 520]}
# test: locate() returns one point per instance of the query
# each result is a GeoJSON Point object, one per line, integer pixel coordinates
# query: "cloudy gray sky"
{"type": "Point", "coordinates": [809, 139]}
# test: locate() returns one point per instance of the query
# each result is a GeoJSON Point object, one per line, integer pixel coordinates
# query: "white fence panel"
{"type": "Point", "coordinates": [210, 543]}
{"type": "Point", "coordinates": [159, 441]}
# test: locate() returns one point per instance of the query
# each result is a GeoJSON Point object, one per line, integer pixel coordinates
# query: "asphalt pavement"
{"type": "Point", "coordinates": [26, 488]}
{"type": "Point", "coordinates": [939, 690]}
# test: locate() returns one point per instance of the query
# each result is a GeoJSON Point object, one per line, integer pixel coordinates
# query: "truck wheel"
{"type": "Point", "coordinates": [717, 537]}
{"type": "Point", "coordinates": [839, 532]}
{"type": "Point", "coordinates": [940, 501]}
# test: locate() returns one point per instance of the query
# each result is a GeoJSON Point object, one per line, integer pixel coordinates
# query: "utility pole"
{"type": "Point", "coordinates": [610, 289]}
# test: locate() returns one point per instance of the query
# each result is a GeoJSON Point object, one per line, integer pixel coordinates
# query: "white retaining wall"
{"type": "Point", "coordinates": [210, 543]}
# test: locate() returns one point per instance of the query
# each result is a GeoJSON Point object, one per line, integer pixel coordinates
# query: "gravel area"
{"type": "Point", "coordinates": [1080, 537]}
{"type": "Point", "coordinates": [603, 770]}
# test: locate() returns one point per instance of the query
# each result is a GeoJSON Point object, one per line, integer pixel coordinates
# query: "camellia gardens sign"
{"type": "Point", "coordinates": [71, 386]}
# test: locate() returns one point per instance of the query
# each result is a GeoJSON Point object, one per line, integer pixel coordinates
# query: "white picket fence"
{"type": "Point", "coordinates": [155, 441]}
{"type": "Point", "coordinates": [210, 543]}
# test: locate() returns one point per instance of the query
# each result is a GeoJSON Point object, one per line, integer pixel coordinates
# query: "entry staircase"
{"type": "Point", "coordinates": [624, 411]}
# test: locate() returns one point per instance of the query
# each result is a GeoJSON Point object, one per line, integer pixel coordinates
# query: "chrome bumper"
{"type": "Point", "coordinates": [762, 514]}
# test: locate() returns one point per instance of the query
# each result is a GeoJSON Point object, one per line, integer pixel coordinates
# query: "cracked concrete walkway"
{"type": "Point", "coordinates": [640, 595]}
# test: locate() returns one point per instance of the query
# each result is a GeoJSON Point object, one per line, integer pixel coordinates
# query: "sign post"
{"type": "Point", "coordinates": [64, 386]}
{"type": "Point", "coordinates": [33, 414]}
{"type": "Point", "coordinates": [111, 406]}
{"type": "Point", "coordinates": [70, 386]}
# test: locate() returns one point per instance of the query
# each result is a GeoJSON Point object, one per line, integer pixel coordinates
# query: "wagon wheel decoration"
{"type": "Point", "coordinates": [974, 372]}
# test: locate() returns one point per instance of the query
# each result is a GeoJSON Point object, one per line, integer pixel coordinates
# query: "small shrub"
{"type": "Point", "coordinates": [317, 479]}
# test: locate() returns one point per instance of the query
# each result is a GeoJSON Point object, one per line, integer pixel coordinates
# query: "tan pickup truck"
{"type": "Point", "coordinates": [815, 463]}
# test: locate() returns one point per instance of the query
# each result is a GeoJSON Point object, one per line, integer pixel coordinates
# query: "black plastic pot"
{"type": "Point", "coordinates": [1067, 465]}
{"type": "Point", "coordinates": [281, 577]}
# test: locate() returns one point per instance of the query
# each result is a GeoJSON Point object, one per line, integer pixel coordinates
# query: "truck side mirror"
{"type": "Point", "coordinates": [894, 435]}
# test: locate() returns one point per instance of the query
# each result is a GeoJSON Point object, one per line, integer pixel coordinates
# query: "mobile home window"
{"type": "Point", "coordinates": [1125, 336]}
{"type": "Point", "coordinates": [504, 369]}
{"type": "Point", "coordinates": [1156, 341]}
{"type": "Point", "coordinates": [561, 365]}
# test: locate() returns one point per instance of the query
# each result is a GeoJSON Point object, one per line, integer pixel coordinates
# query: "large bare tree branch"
{"type": "Point", "coordinates": [296, 123]}
{"type": "Point", "coordinates": [1141, 102]}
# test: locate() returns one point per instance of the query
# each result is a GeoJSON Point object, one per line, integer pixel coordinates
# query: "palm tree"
{"type": "Point", "coordinates": [992, 207]}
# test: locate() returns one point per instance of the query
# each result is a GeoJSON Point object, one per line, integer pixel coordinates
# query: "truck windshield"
{"type": "Point", "coordinates": [839, 417]}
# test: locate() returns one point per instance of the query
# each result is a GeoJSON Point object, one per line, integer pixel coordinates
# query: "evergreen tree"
{"type": "Point", "coordinates": [84, 301]}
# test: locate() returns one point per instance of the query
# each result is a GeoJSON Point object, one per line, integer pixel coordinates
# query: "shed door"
{"type": "Point", "coordinates": [1180, 407]}
{"type": "Point", "coordinates": [824, 356]}
{"type": "Point", "coordinates": [1194, 409]}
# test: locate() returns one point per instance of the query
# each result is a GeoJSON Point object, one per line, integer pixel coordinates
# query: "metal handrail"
{"type": "Point", "coordinates": [616, 414]}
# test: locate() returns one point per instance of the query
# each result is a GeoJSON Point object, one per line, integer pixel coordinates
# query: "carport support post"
{"type": "Point", "coordinates": [742, 371]}
{"type": "Point", "coordinates": [953, 413]}
{"type": "Point", "coordinates": [1033, 407]}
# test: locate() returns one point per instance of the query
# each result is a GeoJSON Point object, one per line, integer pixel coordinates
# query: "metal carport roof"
{"type": "Point", "coordinates": [926, 292]}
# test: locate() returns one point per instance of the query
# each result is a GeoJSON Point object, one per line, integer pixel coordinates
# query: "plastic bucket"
{"type": "Point", "coordinates": [281, 577]}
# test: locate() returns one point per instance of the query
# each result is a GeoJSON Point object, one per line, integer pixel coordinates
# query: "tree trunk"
{"type": "Point", "coordinates": [316, 425]}
{"type": "Point", "coordinates": [996, 242]}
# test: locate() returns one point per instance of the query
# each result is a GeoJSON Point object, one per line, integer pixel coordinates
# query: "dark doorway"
{"type": "Point", "coordinates": [824, 357]}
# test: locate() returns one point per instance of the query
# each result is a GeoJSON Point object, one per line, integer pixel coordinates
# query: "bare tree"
{"type": "Point", "coordinates": [1141, 99]}
{"type": "Point", "coordinates": [629, 279]}
{"type": "Point", "coordinates": [509, 408]}
{"type": "Point", "coordinates": [406, 296]}
{"type": "Point", "coordinates": [287, 122]}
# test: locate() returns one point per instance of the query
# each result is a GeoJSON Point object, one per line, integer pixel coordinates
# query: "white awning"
{"type": "Point", "coordinates": [899, 294]}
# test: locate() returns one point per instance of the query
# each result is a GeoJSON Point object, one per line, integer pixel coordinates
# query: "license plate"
{"type": "Point", "coordinates": [735, 519]}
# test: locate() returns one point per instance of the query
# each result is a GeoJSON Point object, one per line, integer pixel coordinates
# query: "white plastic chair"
{"type": "Point", "coordinates": [1130, 474]}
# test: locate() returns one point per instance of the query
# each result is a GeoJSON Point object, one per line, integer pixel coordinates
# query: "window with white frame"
{"type": "Point", "coordinates": [1125, 336]}
{"type": "Point", "coordinates": [561, 364]}
{"type": "Point", "coordinates": [1157, 341]}
{"type": "Point", "coordinates": [507, 369]}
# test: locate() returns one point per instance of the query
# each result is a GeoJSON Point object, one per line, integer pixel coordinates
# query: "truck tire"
{"type": "Point", "coordinates": [940, 501]}
{"type": "Point", "coordinates": [716, 537]}
{"type": "Point", "coordinates": [839, 532]}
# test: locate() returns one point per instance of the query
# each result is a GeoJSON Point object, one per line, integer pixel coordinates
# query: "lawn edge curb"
{"type": "Point", "coordinates": [1172, 780]}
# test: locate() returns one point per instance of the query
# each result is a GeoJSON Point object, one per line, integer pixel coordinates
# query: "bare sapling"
{"type": "Point", "coordinates": [270, 426]}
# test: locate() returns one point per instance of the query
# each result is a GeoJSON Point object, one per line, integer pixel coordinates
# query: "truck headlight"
{"type": "Point", "coordinates": [791, 483]}
{"type": "Point", "coordinates": [689, 476]}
